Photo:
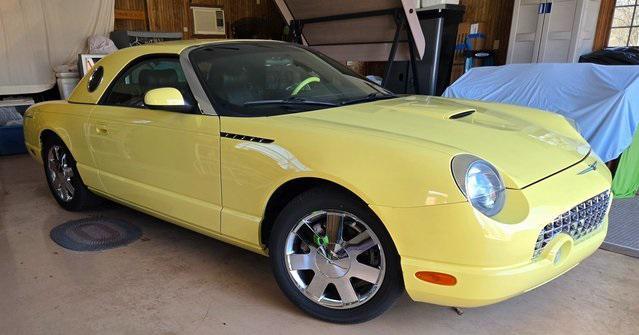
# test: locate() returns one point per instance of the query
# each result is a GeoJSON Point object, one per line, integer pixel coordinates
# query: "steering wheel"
{"type": "Point", "coordinates": [303, 84]}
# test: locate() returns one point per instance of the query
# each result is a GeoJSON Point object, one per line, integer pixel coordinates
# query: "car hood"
{"type": "Point", "coordinates": [525, 145]}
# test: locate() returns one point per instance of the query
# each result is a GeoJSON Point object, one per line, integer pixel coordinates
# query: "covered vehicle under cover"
{"type": "Point", "coordinates": [601, 99]}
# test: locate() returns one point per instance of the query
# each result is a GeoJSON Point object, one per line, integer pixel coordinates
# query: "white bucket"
{"type": "Point", "coordinates": [66, 83]}
{"type": "Point", "coordinates": [432, 3]}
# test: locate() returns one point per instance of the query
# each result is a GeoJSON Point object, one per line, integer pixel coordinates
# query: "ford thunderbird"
{"type": "Point", "coordinates": [356, 194]}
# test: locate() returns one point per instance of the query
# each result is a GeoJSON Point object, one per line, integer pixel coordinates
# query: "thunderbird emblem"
{"type": "Point", "coordinates": [591, 167]}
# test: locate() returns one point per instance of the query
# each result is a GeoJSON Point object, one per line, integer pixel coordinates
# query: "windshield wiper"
{"type": "Point", "coordinates": [290, 101]}
{"type": "Point", "coordinates": [369, 98]}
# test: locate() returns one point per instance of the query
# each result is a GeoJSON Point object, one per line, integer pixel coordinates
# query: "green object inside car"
{"type": "Point", "coordinates": [304, 83]}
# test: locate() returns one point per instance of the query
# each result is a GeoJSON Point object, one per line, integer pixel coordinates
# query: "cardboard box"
{"type": "Point", "coordinates": [476, 43]}
{"type": "Point", "coordinates": [470, 28]}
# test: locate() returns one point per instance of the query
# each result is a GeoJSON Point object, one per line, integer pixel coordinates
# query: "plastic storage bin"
{"type": "Point", "coordinates": [12, 140]}
{"type": "Point", "coordinates": [11, 131]}
{"type": "Point", "coordinates": [66, 83]}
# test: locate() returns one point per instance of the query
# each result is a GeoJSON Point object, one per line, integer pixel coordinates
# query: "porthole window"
{"type": "Point", "coordinates": [96, 78]}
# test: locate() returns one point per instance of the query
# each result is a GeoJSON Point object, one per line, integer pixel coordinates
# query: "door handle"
{"type": "Point", "coordinates": [101, 130]}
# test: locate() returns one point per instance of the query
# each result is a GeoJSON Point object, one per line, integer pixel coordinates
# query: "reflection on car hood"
{"type": "Point", "coordinates": [524, 144]}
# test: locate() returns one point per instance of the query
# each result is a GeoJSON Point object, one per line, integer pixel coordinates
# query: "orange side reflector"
{"type": "Point", "coordinates": [437, 278]}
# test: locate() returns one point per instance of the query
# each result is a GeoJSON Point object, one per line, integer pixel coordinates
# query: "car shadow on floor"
{"type": "Point", "coordinates": [214, 258]}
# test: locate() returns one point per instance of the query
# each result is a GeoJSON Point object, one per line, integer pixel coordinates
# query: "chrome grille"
{"type": "Point", "coordinates": [578, 222]}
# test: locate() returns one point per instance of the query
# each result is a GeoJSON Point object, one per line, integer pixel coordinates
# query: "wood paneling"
{"type": "Point", "coordinates": [130, 6]}
{"type": "Point", "coordinates": [497, 14]}
{"type": "Point", "coordinates": [166, 15]}
{"type": "Point", "coordinates": [238, 9]}
{"type": "Point", "coordinates": [127, 6]}
{"type": "Point", "coordinates": [175, 15]}
{"type": "Point", "coordinates": [604, 23]}
{"type": "Point", "coordinates": [121, 14]}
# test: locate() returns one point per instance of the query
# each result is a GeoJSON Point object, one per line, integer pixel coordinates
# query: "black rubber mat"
{"type": "Point", "coordinates": [623, 228]}
{"type": "Point", "coordinates": [93, 234]}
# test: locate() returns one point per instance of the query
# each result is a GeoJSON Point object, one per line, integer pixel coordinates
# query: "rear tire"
{"type": "Point", "coordinates": [63, 178]}
{"type": "Point", "coordinates": [362, 254]}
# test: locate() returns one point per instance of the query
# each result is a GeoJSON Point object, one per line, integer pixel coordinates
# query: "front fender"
{"type": "Point", "coordinates": [391, 171]}
{"type": "Point", "coordinates": [70, 123]}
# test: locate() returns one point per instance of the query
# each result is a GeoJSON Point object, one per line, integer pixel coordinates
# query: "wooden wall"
{"type": "Point", "coordinates": [497, 15]}
{"type": "Point", "coordinates": [238, 9]}
{"type": "Point", "coordinates": [130, 15]}
{"type": "Point", "coordinates": [167, 16]}
{"type": "Point", "coordinates": [175, 15]}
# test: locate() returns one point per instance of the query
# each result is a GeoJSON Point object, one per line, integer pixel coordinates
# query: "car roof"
{"type": "Point", "coordinates": [180, 45]}
{"type": "Point", "coordinates": [114, 63]}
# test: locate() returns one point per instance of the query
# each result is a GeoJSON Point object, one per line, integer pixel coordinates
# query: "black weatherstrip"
{"type": "Point", "coordinates": [246, 138]}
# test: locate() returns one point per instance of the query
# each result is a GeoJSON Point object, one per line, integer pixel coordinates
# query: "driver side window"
{"type": "Point", "coordinates": [131, 86]}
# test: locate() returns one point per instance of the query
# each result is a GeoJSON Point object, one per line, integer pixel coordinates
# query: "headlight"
{"type": "Point", "coordinates": [480, 183]}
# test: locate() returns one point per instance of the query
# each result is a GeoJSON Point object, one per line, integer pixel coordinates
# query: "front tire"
{"type": "Point", "coordinates": [63, 178]}
{"type": "Point", "coordinates": [333, 258]}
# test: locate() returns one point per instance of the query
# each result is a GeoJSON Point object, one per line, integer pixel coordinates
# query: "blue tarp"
{"type": "Point", "coordinates": [603, 100]}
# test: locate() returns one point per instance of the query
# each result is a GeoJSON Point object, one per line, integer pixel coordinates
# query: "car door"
{"type": "Point", "coordinates": [161, 161]}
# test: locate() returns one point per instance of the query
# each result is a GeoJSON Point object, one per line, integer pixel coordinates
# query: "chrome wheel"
{"type": "Point", "coordinates": [60, 172]}
{"type": "Point", "coordinates": [335, 259]}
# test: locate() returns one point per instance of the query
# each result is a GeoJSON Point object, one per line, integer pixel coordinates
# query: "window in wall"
{"type": "Point", "coordinates": [625, 24]}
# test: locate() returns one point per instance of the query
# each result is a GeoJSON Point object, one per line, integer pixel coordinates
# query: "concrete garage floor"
{"type": "Point", "coordinates": [174, 281]}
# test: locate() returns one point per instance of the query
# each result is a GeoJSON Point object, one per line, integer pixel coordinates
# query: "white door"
{"type": "Point", "coordinates": [585, 27]}
{"type": "Point", "coordinates": [526, 31]}
{"type": "Point", "coordinates": [557, 32]}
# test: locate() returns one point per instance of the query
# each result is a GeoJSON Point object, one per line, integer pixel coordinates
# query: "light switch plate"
{"type": "Point", "coordinates": [474, 28]}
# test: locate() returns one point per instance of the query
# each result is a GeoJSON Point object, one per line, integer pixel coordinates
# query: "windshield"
{"type": "Point", "coordinates": [272, 78]}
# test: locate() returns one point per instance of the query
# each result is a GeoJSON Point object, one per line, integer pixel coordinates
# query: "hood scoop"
{"type": "Point", "coordinates": [461, 114]}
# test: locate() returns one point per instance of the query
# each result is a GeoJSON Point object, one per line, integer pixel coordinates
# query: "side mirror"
{"type": "Point", "coordinates": [167, 98]}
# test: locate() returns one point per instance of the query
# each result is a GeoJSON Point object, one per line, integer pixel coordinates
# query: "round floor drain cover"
{"type": "Point", "coordinates": [94, 234]}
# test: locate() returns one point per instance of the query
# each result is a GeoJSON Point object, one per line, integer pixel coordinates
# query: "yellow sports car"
{"type": "Point", "coordinates": [355, 193]}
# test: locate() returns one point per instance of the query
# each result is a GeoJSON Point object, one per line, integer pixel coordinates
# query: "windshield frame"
{"type": "Point", "coordinates": [218, 109]}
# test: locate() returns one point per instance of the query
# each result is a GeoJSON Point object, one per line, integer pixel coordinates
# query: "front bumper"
{"type": "Point", "coordinates": [493, 258]}
{"type": "Point", "coordinates": [479, 286]}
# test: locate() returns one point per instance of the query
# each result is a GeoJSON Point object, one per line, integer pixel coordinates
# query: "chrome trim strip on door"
{"type": "Point", "coordinates": [196, 87]}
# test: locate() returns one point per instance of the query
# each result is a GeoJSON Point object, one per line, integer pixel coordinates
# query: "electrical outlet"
{"type": "Point", "coordinates": [185, 29]}
{"type": "Point", "coordinates": [258, 1]}
{"type": "Point", "coordinates": [496, 45]}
